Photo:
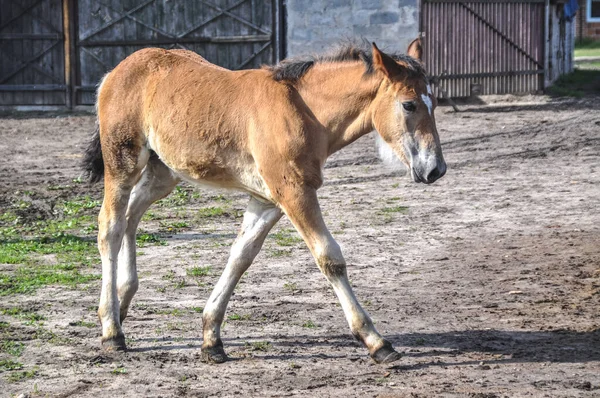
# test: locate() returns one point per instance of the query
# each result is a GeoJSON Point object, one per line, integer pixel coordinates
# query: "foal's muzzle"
{"type": "Point", "coordinates": [428, 173]}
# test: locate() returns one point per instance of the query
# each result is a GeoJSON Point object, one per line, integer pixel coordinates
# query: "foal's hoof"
{"type": "Point", "coordinates": [386, 354]}
{"type": "Point", "coordinates": [114, 343]}
{"type": "Point", "coordinates": [214, 355]}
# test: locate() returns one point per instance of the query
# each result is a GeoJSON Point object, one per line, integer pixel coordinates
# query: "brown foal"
{"type": "Point", "coordinates": [167, 116]}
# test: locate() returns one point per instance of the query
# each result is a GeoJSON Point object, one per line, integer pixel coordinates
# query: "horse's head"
{"type": "Point", "coordinates": [403, 113]}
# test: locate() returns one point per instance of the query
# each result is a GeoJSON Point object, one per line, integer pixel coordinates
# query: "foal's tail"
{"type": "Point", "coordinates": [93, 164]}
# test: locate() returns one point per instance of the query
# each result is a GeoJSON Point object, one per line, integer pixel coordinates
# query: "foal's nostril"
{"type": "Point", "coordinates": [434, 175]}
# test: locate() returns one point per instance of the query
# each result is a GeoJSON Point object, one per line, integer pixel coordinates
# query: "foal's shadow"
{"type": "Point", "coordinates": [510, 346]}
{"type": "Point", "coordinates": [559, 346]}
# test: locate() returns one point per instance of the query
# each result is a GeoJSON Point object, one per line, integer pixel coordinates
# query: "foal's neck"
{"type": "Point", "coordinates": [340, 96]}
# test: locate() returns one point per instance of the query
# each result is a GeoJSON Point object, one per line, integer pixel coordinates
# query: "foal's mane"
{"type": "Point", "coordinates": [292, 70]}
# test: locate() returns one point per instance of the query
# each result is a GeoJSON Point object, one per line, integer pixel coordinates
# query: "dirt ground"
{"type": "Point", "coordinates": [488, 281]}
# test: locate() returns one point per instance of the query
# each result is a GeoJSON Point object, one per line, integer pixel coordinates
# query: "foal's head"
{"type": "Point", "coordinates": [403, 113]}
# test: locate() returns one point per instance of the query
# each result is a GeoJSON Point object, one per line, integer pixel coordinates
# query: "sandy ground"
{"type": "Point", "coordinates": [488, 281]}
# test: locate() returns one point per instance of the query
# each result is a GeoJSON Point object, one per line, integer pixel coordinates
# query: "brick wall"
{"type": "Point", "coordinates": [317, 25]}
{"type": "Point", "coordinates": [584, 28]}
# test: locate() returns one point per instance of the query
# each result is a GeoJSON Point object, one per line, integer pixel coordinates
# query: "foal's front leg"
{"type": "Point", "coordinates": [259, 218]}
{"type": "Point", "coordinates": [302, 208]}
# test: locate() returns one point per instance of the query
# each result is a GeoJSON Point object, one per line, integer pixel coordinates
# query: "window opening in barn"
{"type": "Point", "coordinates": [593, 14]}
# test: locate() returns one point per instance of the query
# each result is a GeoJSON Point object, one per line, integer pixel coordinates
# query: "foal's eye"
{"type": "Point", "coordinates": [409, 106]}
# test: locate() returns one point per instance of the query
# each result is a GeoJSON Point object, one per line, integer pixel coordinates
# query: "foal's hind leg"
{"type": "Point", "coordinates": [157, 181]}
{"type": "Point", "coordinates": [124, 159]}
{"type": "Point", "coordinates": [302, 208]}
{"type": "Point", "coordinates": [259, 218]}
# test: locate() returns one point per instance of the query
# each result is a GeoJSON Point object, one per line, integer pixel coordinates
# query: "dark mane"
{"type": "Point", "coordinates": [292, 70]}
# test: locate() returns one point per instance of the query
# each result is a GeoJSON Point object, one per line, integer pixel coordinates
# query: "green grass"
{"type": "Point", "coordinates": [29, 316]}
{"type": "Point", "coordinates": [259, 346]}
{"type": "Point", "coordinates": [198, 271]}
{"type": "Point", "coordinates": [179, 197]}
{"type": "Point", "coordinates": [587, 52]}
{"type": "Point", "coordinates": [208, 212]}
{"type": "Point", "coordinates": [238, 317]}
{"type": "Point", "coordinates": [44, 243]}
{"type": "Point", "coordinates": [15, 377]}
{"type": "Point", "coordinates": [9, 364]}
{"type": "Point", "coordinates": [79, 205]}
{"type": "Point", "coordinates": [35, 270]}
{"type": "Point", "coordinates": [119, 370]}
{"type": "Point", "coordinates": [286, 237]}
{"type": "Point", "coordinates": [394, 209]}
{"type": "Point", "coordinates": [279, 252]}
{"type": "Point", "coordinates": [309, 324]}
{"type": "Point", "coordinates": [290, 286]}
{"type": "Point", "coordinates": [179, 283]}
{"type": "Point", "coordinates": [174, 226]}
{"type": "Point", "coordinates": [576, 84]}
{"type": "Point", "coordinates": [145, 239]}
{"type": "Point", "coordinates": [10, 347]}
{"type": "Point", "coordinates": [589, 66]}
{"type": "Point", "coordinates": [587, 48]}
{"type": "Point", "coordinates": [83, 324]}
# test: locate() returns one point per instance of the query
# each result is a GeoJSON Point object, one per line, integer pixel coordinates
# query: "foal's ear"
{"type": "Point", "coordinates": [415, 49]}
{"type": "Point", "coordinates": [384, 63]}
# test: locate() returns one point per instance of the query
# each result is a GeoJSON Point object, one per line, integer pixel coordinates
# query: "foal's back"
{"type": "Point", "coordinates": [209, 124]}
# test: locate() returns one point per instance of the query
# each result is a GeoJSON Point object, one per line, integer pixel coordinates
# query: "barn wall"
{"type": "Point", "coordinates": [316, 25]}
{"type": "Point", "coordinates": [561, 44]}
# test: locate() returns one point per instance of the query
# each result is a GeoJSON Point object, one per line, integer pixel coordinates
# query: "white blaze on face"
{"type": "Point", "coordinates": [427, 100]}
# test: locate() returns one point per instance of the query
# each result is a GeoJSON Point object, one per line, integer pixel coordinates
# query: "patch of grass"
{"type": "Point", "coordinates": [586, 47]}
{"type": "Point", "coordinates": [119, 370]}
{"type": "Point", "coordinates": [27, 279]}
{"type": "Point", "coordinates": [238, 317]}
{"type": "Point", "coordinates": [150, 216]}
{"type": "Point", "coordinates": [291, 286]}
{"type": "Point", "coordinates": [170, 275]}
{"type": "Point", "coordinates": [220, 198]}
{"type": "Point", "coordinates": [309, 324]}
{"type": "Point", "coordinates": [198, 271]}
{"type": "Point", "coordinates": [214, 211]}
{"type": "Point", "coordinates": [286, 237]}
{"type": "Point", "coordinates": [10, 347]}
{"type": "Point", "coordinates": [179, 197]}
{"type": "Point", "coordinates": [83, 324]}
{"type": "Point", "coordinates": [22, 313]}
{"type": "Point", "coordinates": [145, 239]}
{"type": "Point", "coordinates": [15, 377]}
{"type": "Point", "coordinates": [588, 66]}
{"type": "Point", "coordinates": [280, 252]}
{"type": "Point", "coordinates": [259, 346]}
{"type": "Point", "coordinates": [70, 251]}
{"type": "Point", "coordinates": [576, 84]}
{"type": "Point", "coordinates": [198, 309]}
{"type": "Point", "coordinates": [79, 205]}
{"type": "Point", "coordinates": [175, 226]}
{"type": "Point", "coordinates": [9, 364]}
{"type": "Point", "coordinates": [179, 283]}
{"type": "Point", "coordinates": [394, 209]}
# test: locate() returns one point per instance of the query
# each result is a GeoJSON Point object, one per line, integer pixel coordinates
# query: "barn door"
{"type": "Point", "coordinates": [484, 47]}
{"type": "Point", "coordinates": [236, 34]}
{"type": "Point", "coordinates": [32, 53]}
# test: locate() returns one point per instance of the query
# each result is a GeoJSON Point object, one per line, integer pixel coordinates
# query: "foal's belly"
{"type": "Point", "coordinates": [225, 170]}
